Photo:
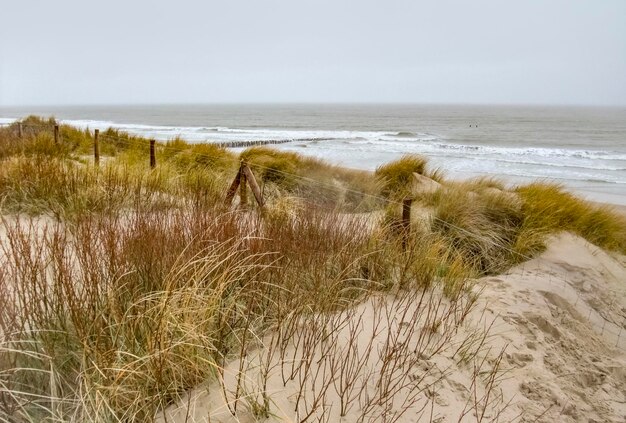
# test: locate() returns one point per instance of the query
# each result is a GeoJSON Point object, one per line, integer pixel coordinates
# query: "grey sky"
{"type": "Point", "coordinates": [479, 51]}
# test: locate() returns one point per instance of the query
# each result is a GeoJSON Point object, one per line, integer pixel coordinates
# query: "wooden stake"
{"type": "Point", "coordinates": [56, 134]}
{"type": "Point", "coordinates": [244, 175]}
{"type": "Point", "coordinates": [406, 221]}
{"type": "Point", "coordinates": [96, 147]}
{"type": "Point", "coordinates": [230, 194]}
{"type": "Point", "coordinates": [152, 155]}
{"type": "Point", "coordinates": [406, 212]}
{"type": "Point", "coordinates": [19, 129]}
{"type": "Point", "coordinates": [253, 184]}
{"type": "Point", "coordinates": [243, 189]}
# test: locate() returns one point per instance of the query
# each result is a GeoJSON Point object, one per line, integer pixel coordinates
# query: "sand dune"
{"type": "Point", "coordinates": [546, 341]}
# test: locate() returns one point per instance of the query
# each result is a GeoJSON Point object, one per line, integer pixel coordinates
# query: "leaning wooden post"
{"type": "Point", "coordinates": [152, 155]}
{"type": "Point", "coordinates": [243, 189]}
{"type": "Point", "coordinates": [230, 194]}
{"type": "Point", "coordinates": [253, 184]}
{"type": "Point", "coordinates": [19, 129]}
{"type": "Point", "coordinates": [96, 147]}
{"type": "Point", "coordinates": [56, 133]}
{"type": "Point", "coordinates": [406, 221]}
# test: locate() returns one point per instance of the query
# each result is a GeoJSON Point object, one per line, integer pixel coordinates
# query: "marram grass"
{"type": "Point", "coordinates": [122, 287]}
{"type": "Point", "coordinates": [549, 208]}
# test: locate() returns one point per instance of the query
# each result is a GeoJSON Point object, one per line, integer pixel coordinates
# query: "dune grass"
{"type": "Point", "coordinates": [396, 178]}
{"type": "Point", "coordinates": [549, 208]}
{"type": "Point", "coordinates": [489, 228]}
{"type": "Point", "coordinates": [122, 287]}
{"type": "Point", "coordinates": [143, 306]}
{"type": "Point", "coordinates": [314, 181]}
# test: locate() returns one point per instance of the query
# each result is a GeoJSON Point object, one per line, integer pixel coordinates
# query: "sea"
{"type": "Point", "coordinates": [581, 148]}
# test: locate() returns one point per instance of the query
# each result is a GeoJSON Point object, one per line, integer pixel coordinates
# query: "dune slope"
{"type": "Point", "coordinates": [544, 342]}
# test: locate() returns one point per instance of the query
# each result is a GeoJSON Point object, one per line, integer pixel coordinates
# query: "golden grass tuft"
{"type": "Point", "coordinates": [396, 177]}
{"type": "Point", "coordinates": [273, 166]}
{"type": "Point", "coordinates": [192, 156]}
{"type": "Point", "coordinates": [549, 208]}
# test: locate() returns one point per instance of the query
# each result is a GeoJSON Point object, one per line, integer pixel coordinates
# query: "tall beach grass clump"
{"type": "Point", "coordinates": [283, 173]}
{"type": "Point", "coordinates": [550, 208]}
{"type": "Point", "coordinates": [489, 227]}
{"type": "Point", "coordinates": [396, 178]}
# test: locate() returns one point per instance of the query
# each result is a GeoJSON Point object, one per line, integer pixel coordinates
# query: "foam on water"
{"type": "Point", "coordinates": [6, 121]}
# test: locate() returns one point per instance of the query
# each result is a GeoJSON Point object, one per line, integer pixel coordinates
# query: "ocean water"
{"type": "Point", "coordinates": [582, 148]}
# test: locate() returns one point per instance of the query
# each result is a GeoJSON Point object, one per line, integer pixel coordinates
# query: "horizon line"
{"type": "Point", "coordinates": [312, 103]}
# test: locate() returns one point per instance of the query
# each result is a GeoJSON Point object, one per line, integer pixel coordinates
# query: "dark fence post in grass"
{"type": "Point", "coordinates": [406, 221]}
{"type": "Point", "coordinates": [152, 155]}
{"type": "Point", "coordinates": [253, 184]}
{"type": "Point", "coordinates": [56, 133]}
{"type": "Point", "coordinates": [230, 194]}
{"type": "Point", "coordinates": [19, 129]}
{"type": "Point", "coordinates": [243, 191]}
{"type": "Point", "coordinates": [244, 175]}
{"type": "Point", "coordinates": [96, 147]}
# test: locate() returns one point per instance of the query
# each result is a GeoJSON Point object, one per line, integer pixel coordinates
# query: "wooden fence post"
{"type": "Point", "coordinates": [244, 175]}
{"type": "Point", "coordinates": [56, 133]}
{"type": "Point", "coordinates": [243, 189]}
{"type": "Point", "coordinates": [152, 155]}
{"type": "Point", "coordinates": [96, 147]}
{"type": "Point", "coordinates": [406, 221]}
{"type": "Point", "coordinates": [19, 129]}
{"type": "Point", "coordinates": [230, 194]}
{"type": "Point", "coordinates": [253, 184]}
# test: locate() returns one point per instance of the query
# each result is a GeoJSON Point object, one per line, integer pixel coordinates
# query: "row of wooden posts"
{"type": "Point", "coordinates": [96, 144]}
{"type": "Point", "coordinates": [244, 177]}
{"type": "Point", "coordinates": [20, 132]}
{"type": "Point", "coordinates": [96, 147]}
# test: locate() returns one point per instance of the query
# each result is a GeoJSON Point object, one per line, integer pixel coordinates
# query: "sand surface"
{"type": "Point", "coordinates": [546, 342]}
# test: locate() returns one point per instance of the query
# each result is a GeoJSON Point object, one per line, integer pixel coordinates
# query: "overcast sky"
{"type": "Point", "coordinates": [440, 51]}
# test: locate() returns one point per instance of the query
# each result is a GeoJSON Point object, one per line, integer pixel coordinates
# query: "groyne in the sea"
{"type": "Point", "coordinates": [238, 144]}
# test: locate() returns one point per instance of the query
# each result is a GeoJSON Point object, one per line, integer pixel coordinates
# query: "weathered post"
{"type": "Point", "coordinates": [230, 194]}
{"type": "Point", "coordinates": [96, 147]}
{"type": "Point", "coordinates": [152, 155]}
{"type": "Point", "coordinates": [253, 184]}
{"type": "Point", "coordinates": [19, 129]}
{"type": "Point", "coordinates": [56, 133]}
{"type": "Point", "coordinates": [406, 221]}
{"type": "Point", "coordinates": [243, 189]}
{"type": "Point", "coordinates": [244, 176]}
